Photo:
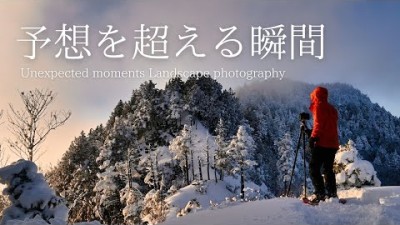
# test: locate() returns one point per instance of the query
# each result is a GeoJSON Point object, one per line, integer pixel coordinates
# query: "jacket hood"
{"type": "Point", "coordinates": [319, 94]}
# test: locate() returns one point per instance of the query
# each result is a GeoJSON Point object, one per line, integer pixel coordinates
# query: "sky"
{"type": "Point", "coordinates": [360, 48]}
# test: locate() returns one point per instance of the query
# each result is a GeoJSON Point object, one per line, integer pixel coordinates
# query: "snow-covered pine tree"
{"type": "Point", "coordinates": [30, 195]}
{"type": "Point", "coordinates": [117, 112]}
{"type": "Point", "coordinates": [149, 116]}
{"type": "Point", "coordinates": [203, 95]}
{"type": "Point", "coordinates": [144, 99]}
{"type": "Point", "coordinates": [132, 198]}
{"type": "Point", "coordinates": [112, 161]}
{"type": "Point", "coordinates": [174, 98]}
{"type": "Point", "coordinates": [152, 177]}
{"type": "Point", "coordinates": [239, 152]}
{"type": "Point", "coordinates": [221, 163]}
{"type": "Point", "coordinates": [230, 111]}
{"type": "Point", "coordinates": [351, 171]}
{"type": "Point", "coordinates": [155, 209]}
{"type": "Point", "coordinates": [285, 162]}
{"type": "Point", "coordinates": [75, 175]}
{"type": "Point", "coordinates": [180, 147]}
{"type": "Point", "coordinates": [363, 145]}
{"type": "Point", "coordinates": [131, 195]}
{"type": "Point", "coordinates": [107, 195]}
{"type": "Point", "coordinates": [196, 101]}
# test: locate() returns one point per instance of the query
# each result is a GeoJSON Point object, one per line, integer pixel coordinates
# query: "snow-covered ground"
{"type": "Point", "coordinates": [375, 205]}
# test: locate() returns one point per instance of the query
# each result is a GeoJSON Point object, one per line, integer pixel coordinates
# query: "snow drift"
{"type": "Point", "coordinates": [373, 205]}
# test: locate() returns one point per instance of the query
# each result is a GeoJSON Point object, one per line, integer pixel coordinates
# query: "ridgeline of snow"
{"type": "Point", "coordinates": [374, 205]}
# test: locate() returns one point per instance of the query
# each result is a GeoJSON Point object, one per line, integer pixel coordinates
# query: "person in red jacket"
{"type": "Point", "coordinates": [324, 143]}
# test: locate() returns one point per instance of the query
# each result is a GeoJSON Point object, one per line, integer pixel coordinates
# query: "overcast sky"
{"type": "Point", "coordinates": [361, 48]}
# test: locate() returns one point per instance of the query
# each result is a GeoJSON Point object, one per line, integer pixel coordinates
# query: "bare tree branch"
{"type": "Point", "coordinates": [1, 116]}
{"type": "Point", "coordinates": [3, 158]}
{"type": "Point", "coordinates": [32, 124]}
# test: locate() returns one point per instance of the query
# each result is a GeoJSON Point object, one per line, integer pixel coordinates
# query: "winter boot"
{"type": "Point", "coordinates": [332, 195]}
{"type": "Point", "coordinates": [316, 198]}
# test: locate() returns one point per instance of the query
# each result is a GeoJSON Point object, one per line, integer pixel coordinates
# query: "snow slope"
{"type": "Point", "coordinates": [375, 205]}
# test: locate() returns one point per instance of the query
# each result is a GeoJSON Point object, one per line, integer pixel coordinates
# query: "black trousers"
{"type": "Point", "coordinates": [322, 159]}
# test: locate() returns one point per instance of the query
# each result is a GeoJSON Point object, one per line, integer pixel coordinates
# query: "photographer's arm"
{"type": "Point", "coordinates": [318, 118]}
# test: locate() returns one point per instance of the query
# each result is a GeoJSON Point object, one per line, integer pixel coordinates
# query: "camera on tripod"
{"type": "Point", "coordinates": [304, 116]}
{"type": "Point", "coordinates": [301, 142]}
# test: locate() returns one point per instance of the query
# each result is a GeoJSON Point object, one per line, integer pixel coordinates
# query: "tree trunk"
{"type": "Point", "coordinates": [157, 172]}
{"type": "Point", "coordinates": [208, 164]}
{"type": "Point", "coordinates": [192, 160]}
{"type": "Point", "coordinates": [30, 150]}
{"type": "Point", "coordinates": [215, 171]}
{"type": "Point", "coordinates": [241, 184]}
{"type": "Point", "coordinates": [187, 168]}
{"type": "Point", "coordinates": [200, 170]}
{"type": "Point", "coordinates": [153, 174]}
{"type": "Point", "coordinates": [285, 185]}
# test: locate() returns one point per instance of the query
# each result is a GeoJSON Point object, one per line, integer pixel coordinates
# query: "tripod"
{"type": "Point", "coordinates": [302, 137]}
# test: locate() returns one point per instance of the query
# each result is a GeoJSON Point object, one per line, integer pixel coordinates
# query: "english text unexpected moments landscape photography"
{"type": "Point", "coordinates": [191, 112]}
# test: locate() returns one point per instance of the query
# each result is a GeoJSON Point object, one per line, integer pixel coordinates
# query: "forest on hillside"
{"type": "Point", "coordinates": [163, 139]}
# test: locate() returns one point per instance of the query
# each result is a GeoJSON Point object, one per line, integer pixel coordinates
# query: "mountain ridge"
{"type": "Point", "coordinates": [141, 130]}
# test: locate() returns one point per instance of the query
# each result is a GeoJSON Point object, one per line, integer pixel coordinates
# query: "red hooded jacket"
{"type": "Point", "coordinates": [325, 119]}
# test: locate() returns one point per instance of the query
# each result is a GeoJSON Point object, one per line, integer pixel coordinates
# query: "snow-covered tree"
{"type": "Point", "coordinates": [230, 111]}
{"type": "Point", "coordinates": [145, 100]}
{"type": "Point", "coordinates": [180, 146]}
{"type": "Point", "coordinates": [150, 164]}
{"type": "Point", "coordinates": [150, 113]}
{"type": "Point", "coordinates": [75, 175]}
{"type": "Point", "coordinates": [204, 99]}
{"type": "Point", "coordinates": [174, 98]}
{"type": "Point", "coordinates": [30, 195]}
{"type": "Point", "coordinates": [112, 176]}
{"type": "Point", "coordinates": [155, 209]}
{"type": "Point", "coordinates": [132, 199]}
{"type": "Point", "coordinates": [351, 171]}
{"type": "Point", "coordinates": [221, 162]}
{"type": "Point", "coordinates": [108, 206]}
{"type": "Point", "coordinates": [285, 162]}
{"type": "Point", "coordinates": [240, 152]}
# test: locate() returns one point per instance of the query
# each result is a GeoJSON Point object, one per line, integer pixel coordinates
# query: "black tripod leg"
{"type": "Point", "coordinates": [305, 166]}
{"type": "Point", "coordinates": [294, 163]}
